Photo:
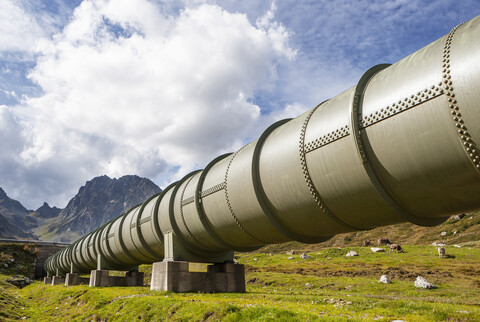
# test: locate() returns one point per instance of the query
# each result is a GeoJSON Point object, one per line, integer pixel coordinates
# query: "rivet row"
{"type": "Point", "coordinates": [229, 205]}
{"type": "Point", "coordinates": [327, 138]}
{"type": "Point", "coordinates": [181, 211]}
{"type": "Point", "coordinates": [469, 146]}
{"type": "Point", "coordinates": [212, 190]}
{"type": "Point", "coordinates": [401, 105]}
{"type": "Point", "coordinates": [303, 163]}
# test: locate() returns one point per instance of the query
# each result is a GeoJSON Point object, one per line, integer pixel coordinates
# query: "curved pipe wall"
{"type": "Point", "coordinates": [400, 146]}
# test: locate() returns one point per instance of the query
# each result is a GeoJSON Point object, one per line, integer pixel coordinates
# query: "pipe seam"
{"type": "Point", "coordinates": [308, 179]}
{"type": "Point", "coordinates": [469, 146]}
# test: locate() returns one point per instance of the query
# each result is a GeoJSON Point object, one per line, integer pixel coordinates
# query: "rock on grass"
{"type": "Point", "coordinates": [420, 282]}
{"type": "Point", "coordinates": [305, 256]}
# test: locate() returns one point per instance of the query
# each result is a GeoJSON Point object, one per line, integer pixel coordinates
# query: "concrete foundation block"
{"type": "Point", "coordinates": [47, 280]}
{"type": "Point", "coordinates": [134, 278]}
{"type": "Point", "coordinates": [98, 278]}
{"type": "Point", "coordinates": [178, 277]}
{"type": "Point", "coordinates": [102, 278]}
{"type": "Point", "coordinates": [75, 279]}
{"type": "Point", "coordinates": [58, 280]}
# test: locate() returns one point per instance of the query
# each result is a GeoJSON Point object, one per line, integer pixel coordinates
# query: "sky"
{"type": "Point", "coordinates": [159, 88]}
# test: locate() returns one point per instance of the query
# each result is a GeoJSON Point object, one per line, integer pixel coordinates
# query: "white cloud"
{"type": "Point", "coordinates": [289, 111]}
{"type": "Point", "coordinates": [128, 89]}
{"type": "Point", "coordinates": [18, 31]}
{"type": "Point", "coordinates": [22, 23]}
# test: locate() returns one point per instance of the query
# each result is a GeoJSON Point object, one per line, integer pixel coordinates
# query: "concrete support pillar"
{"type": "Point", "coordinates": [102, 278]}
{"type": "Point", "coordinates": [134, 278]}
{"type": "Point", "coordinates": [99, 277]}
{"type": "Point", "coordinates": [180, 277]}
{"type": "Point", "coordinates": [58, 280]}
{"type": "Point", "coordinates": [75, 279]}
{"type": "Point", "coordinates": [47, 280]}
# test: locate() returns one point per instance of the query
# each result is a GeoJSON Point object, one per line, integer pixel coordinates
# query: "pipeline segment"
{"type": "Point", "coordinates": [400, 146]}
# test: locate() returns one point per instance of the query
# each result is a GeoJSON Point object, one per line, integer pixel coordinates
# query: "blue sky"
{"type": "Point", "coordinates": [159, 88]}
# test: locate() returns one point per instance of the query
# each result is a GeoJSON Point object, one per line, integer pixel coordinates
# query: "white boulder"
{"type": "Point", "coordinates": [384, 279]}
{"type": "Point", "coordinates": [305, 256]}
{"type": "Point", "coordinates": [352, 253]}
{"type": "Point", "coordinates": [420, 282]}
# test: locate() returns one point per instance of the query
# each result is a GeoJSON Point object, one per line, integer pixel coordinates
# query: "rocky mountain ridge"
{"type": "Point", "coordinates": [14, 221]}
{"type": "Point", "coordinates": [45, 211]}
{"type": "Point", "coordinates": [98, 201]}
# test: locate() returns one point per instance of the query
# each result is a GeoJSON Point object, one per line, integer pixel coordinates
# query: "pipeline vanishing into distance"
{"type": "Point", "coordinates": [400, 146]}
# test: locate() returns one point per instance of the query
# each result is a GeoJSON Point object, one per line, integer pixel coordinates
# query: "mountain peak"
{"type": "Point", "coordinates": [45, 211]}
{"type": "Point", "coordinates": [13, 218]}
{"type": "Point", "coordinates": [9, 206]}
{"type": "Point", "coordinates": [102, 199]}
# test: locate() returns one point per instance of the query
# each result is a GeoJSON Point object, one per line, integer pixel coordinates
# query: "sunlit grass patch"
{"type": "Point", "coordinates": [327, 287]}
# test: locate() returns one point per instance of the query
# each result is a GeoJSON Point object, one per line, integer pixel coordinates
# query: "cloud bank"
{"type": "Point", "coordinates": [129, 89]}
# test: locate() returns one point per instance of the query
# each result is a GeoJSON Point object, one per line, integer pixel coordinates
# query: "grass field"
{"type": "Point", "coordinates": [328, 287]}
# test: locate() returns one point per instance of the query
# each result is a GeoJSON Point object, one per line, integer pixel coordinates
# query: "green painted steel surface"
{"type": "Point", "coordinates": [400, 146]}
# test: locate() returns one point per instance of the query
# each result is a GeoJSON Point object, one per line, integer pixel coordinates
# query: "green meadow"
{"type": "Point", "coordinates": [327, 287]}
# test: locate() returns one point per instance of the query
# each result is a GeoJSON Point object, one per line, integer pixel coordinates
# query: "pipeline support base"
{"type": "Point", "coordinates": [103, 278]}
{"type": "Point", "coordinates": [177, 276]}
{"type": "Point", "coordinates": [75, 279]}
{"type": "Point", "coordinates": [58, 280]}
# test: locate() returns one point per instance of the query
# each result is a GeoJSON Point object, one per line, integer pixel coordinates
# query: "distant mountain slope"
{"type": "Point", "coordinates": [14, 221]}
{"type": "Point", "coordinates": [9, 206]}
{"type": "Point", "coordinates": [100, 200]}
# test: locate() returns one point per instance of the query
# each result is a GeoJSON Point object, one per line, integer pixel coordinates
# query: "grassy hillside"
{"type": "Point", "coordinates": [17, 259]}
{"type": "Point", "coordinates": [328, 287]}
{"type": "Point", "coordinates": [465, 231]}
{"type": "Point", "coordinates": [48, 231]}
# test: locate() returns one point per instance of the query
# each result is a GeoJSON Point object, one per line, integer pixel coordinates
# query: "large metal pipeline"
{"type": "Point", "coordinates": [400, 146]}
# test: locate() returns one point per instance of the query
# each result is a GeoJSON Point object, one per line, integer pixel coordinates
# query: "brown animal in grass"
{"type": "Point", "coordinates": [383, 241]}
{"type": "Point", "coordinates": [395, 248]}
{"type": "Point", "coordinates": [441, 252]}
{"type": "Point", "coordinates": [367, 243]}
